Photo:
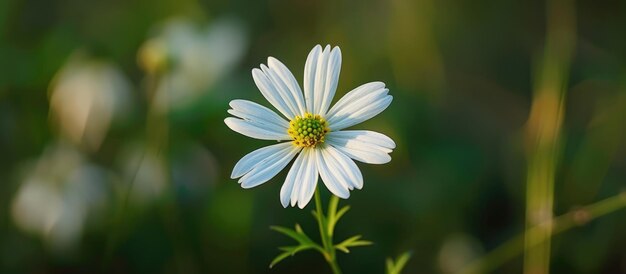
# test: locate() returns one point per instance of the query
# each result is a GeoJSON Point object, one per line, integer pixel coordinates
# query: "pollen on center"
{"type": "Point", "coordinates": [308, 131]}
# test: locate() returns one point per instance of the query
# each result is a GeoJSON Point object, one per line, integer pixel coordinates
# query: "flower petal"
{"type": "Point", "coordinates": [362, 145]}
{"type": "Point", "coordinates": [257, 129]}
{"type": "Point", "coordinates": [252, 111]}
{"type": "Point", "coordinates": [328, 67]}
{"type": "Point", "coordinates": [269, 167]}
{"type": "Point", "coordinates": [331, 173]}
{"type": "Point", "coordinates": [257, 157]}
{"type": "Point", "coordinates": [284, 75]}
{"type": "Point", "coordinates": [283, 91]}
{"type": "Point", "coordinates": [290, 181]}
{"type": "Point", "coordinates": [320, 79]}
{"type": "Point", "coordinates": [342, 163]}
{"type": "Point", "coordinates": [358, 105]}
{"type": "Point", "coordinates": [272, 93]}
{"type": "Point", "coordinates": [301, 180]}
{"type": "Point", "coordinates": [332, 79]}
{"type": "Point", "coordinates": [308, 179]}
{"type": "Point", "coordinates": [310, 70]}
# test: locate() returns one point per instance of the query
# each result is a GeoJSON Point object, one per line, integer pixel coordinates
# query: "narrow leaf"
{"type": "Point", "coordinates": [351, 239]}
{"type": "Point", "coordinates": [352, 242]}
{"type": "Point", "coordinates": [295, 249]}
{"type": "Point", "coordinates": [402, 260]}
{"type": "Point", "coordinates": [396, 268]}
{"type": "Point", "coordinates": [299, 229]}
{"type": "Point", "coordinates": [341, 212]}
{"type": "Point", "coordinates": [334, 217]}
{"type": "Point", "coordinates": [342, 248]}
{"type": "Point", "coordinates": [289, 251]}
{"type": "Point", "coordinates": [359, 243]}
{"type": "Point", "coordinates": [390, 267]}
{"type": "Point", "coordinates": [298, 236]}
{"type": "Point", "coordinates": [279, 258]}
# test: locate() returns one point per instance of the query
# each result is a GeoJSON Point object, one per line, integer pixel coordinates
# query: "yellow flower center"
{"type": "Point", "coordinates": [308, 131]}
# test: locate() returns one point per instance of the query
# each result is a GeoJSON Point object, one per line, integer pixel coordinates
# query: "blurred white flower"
{"type": "Point", "coordinates": [85, 96]}
{"type": "Point", "coordinates": [192, 57]}
{"type": "Point", "coordinates": [58, 193]}
{"type": "Point", "coordinates": [315, 130]}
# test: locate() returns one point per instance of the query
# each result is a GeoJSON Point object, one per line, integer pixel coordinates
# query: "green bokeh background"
{"type": "Point", "coordinates": [462, 77]}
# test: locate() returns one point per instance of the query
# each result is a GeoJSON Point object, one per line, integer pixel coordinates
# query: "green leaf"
{"type": "Point", "coordinates": [290, 251]}
{"type": "Point", "coordinates": [397, 266]}
{"type": "Point", "coordinates": [295, 249]}
{"type": "Point", "coordinates": [352, 242]}
{"type": "Point", "coordinates": [341, 212]}
{"type": "Point", "coordinates": [299, 229]}
{"type": "Point", "coordinates": [296, 234]}
{"type": "Point", "coordinates": [334, 216]}
{"type": "Point", "coordinates": [390, 266]}
{"type": "Point", "coordinates": [279, 258]}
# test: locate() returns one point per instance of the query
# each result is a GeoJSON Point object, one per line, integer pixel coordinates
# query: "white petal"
{"type": "Point", "coordinates": [358, 105]}
{"type": "Point", "coordinates": [362, 145]}
{"type": "Point", "coordinates": [301, 180]}
{"type": "Point", "coordinates": [346, 165]}
{"type": "Point", "coordinates": [252, 111]}
{"type": "Point", "coordinates": [259, 156]}
{"type": "Point", "coordinates": [308, 179]}
{"type": "Point", "coordinates": [331, 175]}
{"type": "Point", "coordinates": [257, 129]}
{"type": "Point", "coordinates": [285, 75]}
{"type": "Point", "coordinates": [356, 94]}
{"type": "Point", "coordinates": [271, 93]}
{"type": "Point", "coordinates": [366, 136]}
{"type": "Point", "coordinates": [321, 75]}
{"type": "Point", "coordinates": [310, 69]}
{"type": "Point", "coordinates": [291, 188]}
{"type": "Point", "coordinates": [267, 169]}
{"type": "Point", "coordinates": [320, 79]}
{"type": "Point", "coordinates": [282, 89]}
{"type": "Point", "coordinates": [287, 189]}
{"type": "Point", "coordinates": [333, 69]}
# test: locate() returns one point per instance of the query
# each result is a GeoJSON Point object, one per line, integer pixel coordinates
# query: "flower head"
{"type": "Point", "coordinates": [312, 129]}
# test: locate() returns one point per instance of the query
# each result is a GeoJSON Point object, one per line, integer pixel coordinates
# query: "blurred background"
{"type": "Point", "coordinates": [115, 157]}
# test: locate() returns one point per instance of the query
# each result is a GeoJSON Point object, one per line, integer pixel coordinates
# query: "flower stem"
{"type": "Point", "coordinates": [544, 133]}
{"type": "Point", "coordinates": [325, 234]}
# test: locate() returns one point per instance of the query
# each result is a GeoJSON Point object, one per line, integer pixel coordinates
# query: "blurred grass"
{"type": "Point", "coordinates": [544, 131]}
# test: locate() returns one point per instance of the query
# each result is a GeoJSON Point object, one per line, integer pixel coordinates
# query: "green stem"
{"type": "Point", "coordinates": [515, 246]}
{"type": "Point", "coordinates": [326, 234]}
{"type": "Point", "coordinates": [121, 211]}
{"type": "Point", "coordinates": [332, 215]}
{"type": "Point", "coordinates": [544, 133]}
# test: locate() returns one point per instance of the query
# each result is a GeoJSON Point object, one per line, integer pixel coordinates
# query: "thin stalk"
{"type": "Point", "coordinates": [332, 213]}
{"type": "Point", "coordinates": [544, 134]}
{"type": "Point", "coordinates": [515, 246]}
{"type": "Point", "coordinates": [325, 235]}
{"type": "Point", "coordinates": [152, 79]}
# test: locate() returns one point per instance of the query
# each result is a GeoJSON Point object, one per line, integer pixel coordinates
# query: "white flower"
{"type": "Point", "coordinates": [198, 56]}
{"type": "Point", "coordinates": [86, 97]}
{"type": "Point", "coordinates": [311, 129]}
{"type": "Point", "coordinates": [61, 193]}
